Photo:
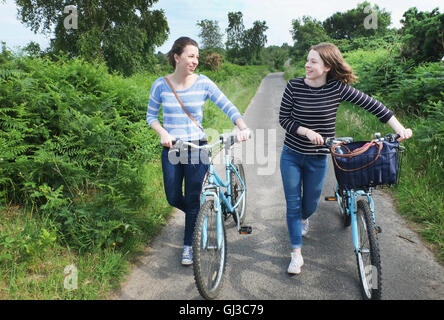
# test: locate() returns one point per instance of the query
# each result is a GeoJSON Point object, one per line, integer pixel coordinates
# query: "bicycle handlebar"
{"type": "Point", "coordinates": [225, 138]}
{"type": "Point", "coordinates": [329, 142]}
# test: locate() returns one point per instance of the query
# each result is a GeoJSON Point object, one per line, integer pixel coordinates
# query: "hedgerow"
{"type": "Point", "coordinates": [74, 146]}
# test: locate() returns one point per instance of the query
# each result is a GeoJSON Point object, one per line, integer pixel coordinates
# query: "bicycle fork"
{"type": "Point", "coordinates": [350, 209]}
{"type": "Point", "coordinates": [219, 223]}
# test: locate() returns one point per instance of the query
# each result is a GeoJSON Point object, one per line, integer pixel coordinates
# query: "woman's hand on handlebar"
{"type": "Point", "coordinates": [399, 129]}
{"type": "Point", "coordinates": [404, 134]}
{"type": "Point", "coordinates": [167, 140]}
{"type": "Point", "coordinates": [243, 135]}
{"type": "Point", "coordinates": [314, 137]}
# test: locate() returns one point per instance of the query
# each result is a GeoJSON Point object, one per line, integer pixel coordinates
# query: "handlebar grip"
{"type": "Point", "coordinates": [173, 141]}
{"type": "Point", "coordinates": [177, 145]}
{"type": "Point", "coordinates": [236, 140]}
{"type": "Point", "coordinates": [231, 138]}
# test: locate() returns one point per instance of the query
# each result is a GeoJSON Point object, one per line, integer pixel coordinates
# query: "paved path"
{"type": "Point", "coordinates": [257, 263]}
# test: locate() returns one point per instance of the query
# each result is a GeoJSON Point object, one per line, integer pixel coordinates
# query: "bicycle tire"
{"type": "Point", "coordinates": [209, 262]}
{"type": "Point", "coordinates": [368, 257]}
{"type": "Point", "coordinates": [236, 187]}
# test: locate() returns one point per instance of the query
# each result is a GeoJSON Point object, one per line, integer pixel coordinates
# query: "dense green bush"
{"type": "Point", "coordinates": [423, 34]}
{"type": "Point", "coordinates": [73, 144]}
{"type": "Point", "coordinates": [377, 69]}
{"type": "Point", "coordinates": [403, 85]}
{"type": "Point", "coordinates": [419, 88]}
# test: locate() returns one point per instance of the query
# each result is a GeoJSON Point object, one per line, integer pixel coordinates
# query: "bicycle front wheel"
{"type": "Point", "coordinates": [209, 258]}
{"type": "Point", "coordinates": [368, 258]}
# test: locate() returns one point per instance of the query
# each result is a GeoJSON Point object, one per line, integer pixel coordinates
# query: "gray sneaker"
{"type": "Point", "coordinates": [187, 255]}
{"type": "Point", "coordinates": [305, 227]}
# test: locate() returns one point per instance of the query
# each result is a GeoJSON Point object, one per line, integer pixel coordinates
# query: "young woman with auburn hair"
{"type": "Point", "coordinates": [308, 115]}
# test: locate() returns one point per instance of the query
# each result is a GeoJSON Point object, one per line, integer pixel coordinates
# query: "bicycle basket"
{"type": "Point", "coordinates": [364, 164]}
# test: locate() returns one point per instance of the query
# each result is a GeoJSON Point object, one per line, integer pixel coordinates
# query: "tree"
{"type": "Point", "coordinates": [305, 33]}
{"type": "Point", "coordinates": [244, 46]}
{"type": "Point", "coordinates": [210, 34]}
{"type": "Point", "coordinates": [253, 41]}
{"type": "Point", "coordinates": [33, 49]}
{"type": "Point", "coordinates": [423, 35]}
{"type": "Point", "coordinates": [361, 21]}
{"type": "Point", "coordinates": [276, 56]}
{"type": "Point", "coordinates": [124, 34]}
{"type": "Point", "coordinates": [235, 32]}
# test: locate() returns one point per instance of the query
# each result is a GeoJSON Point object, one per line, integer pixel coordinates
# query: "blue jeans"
{"type": "Point", "coordinates": [303, 177]}
{"type": "Point", "coordinates": [189, 167]}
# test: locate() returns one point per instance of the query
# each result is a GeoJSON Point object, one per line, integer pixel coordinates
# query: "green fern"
{"type": "Point", "coordinates": [6, 74]}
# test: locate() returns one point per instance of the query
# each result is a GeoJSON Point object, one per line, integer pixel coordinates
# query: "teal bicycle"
{"type": "Point", "coordinates": [353, 193]}
{"type": "Point", "coordinates": [220, 200]}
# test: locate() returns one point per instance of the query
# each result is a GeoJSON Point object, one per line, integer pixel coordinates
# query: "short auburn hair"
{"type": "Point", "coordinates": [332, 57]}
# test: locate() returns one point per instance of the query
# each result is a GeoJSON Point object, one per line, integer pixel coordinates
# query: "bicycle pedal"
{"type": "Point", "coordinates": [378, 229]}
{"type": "Point", "coordinates": [331, 199]}
{"type": "Point", "coordinates": [245, 230]}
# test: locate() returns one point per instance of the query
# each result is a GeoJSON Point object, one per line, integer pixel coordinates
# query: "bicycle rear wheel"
{"type": "Point", "coordinates": [209, 260]}
{"type": "Point", "coordinates": [236, 191]}
{"type": "Point", "coordinates": [368, 258]}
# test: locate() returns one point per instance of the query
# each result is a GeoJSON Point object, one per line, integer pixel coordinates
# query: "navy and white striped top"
{"type": "Point", "coordinates": [175, 120]}
{"type": "Point", "coordinates": [315, 109]}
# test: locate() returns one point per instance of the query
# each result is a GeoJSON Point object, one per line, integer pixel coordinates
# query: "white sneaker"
{"type": "Point", "coordinates": [305, 227]}
{"type": "Point", "coordinates": [187, 255]}
{"type": "Point", "coordinates": [296, 263]}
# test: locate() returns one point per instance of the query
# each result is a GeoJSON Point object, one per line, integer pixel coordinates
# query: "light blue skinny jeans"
{"type": "Point", "coordinates": [303, 177]}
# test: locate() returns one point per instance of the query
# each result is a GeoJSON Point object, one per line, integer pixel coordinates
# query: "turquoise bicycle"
{"type": "Point", "coordinates": [356, 204]}
{"type": "Point", "coordinates": [220, 200]}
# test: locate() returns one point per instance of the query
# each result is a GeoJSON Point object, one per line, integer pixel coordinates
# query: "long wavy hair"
{"type": "Point", "coordinates": [332, 57]}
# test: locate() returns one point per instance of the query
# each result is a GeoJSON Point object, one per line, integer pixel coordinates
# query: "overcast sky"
{"type": "Point", "coordinates": [182, 16]}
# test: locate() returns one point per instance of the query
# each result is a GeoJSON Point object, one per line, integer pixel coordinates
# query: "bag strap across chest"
{"type": "Point", "coordinates": [181, 104]}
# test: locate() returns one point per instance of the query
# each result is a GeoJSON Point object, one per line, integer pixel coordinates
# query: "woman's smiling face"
{"type": "Point", "coordinates": [315, 67]}
{"type": "Point", "coordinates": [188, 60]}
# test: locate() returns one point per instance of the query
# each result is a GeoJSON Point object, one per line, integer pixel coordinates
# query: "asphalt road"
{"type": "Point", "coordinates": [257, 263]}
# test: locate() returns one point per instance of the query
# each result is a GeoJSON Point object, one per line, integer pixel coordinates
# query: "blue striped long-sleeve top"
{"type": "Point", "coordinates": [175, 120]}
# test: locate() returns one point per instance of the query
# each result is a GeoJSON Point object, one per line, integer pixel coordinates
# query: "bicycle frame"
{"type": "Point", "coordinates": [214, 188]}
{"type": "Point", "coordinates": [351, 197]}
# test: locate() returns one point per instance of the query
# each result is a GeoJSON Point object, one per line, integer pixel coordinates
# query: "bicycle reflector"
{"type": "Point", "coordinates": [330, 199]}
